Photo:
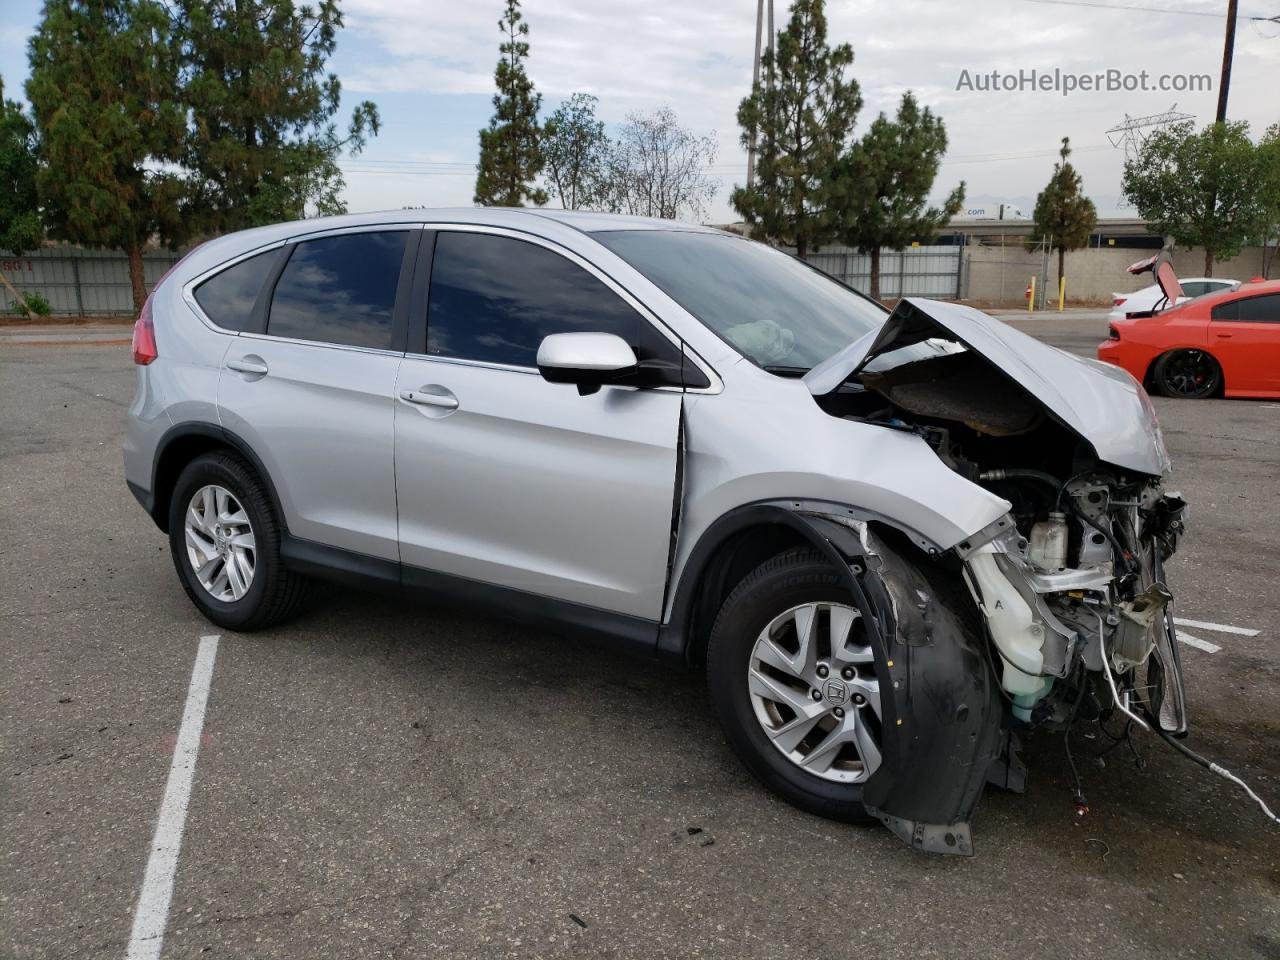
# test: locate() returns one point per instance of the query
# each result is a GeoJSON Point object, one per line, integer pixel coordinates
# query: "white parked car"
{"type": "Point", "coordinates": [1149, 298]}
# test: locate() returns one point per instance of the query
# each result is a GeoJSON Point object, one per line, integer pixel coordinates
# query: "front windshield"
{"type": "Point", "coordinates": [773, 309]}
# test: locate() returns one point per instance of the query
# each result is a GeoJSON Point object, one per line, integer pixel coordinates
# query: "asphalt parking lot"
{"type": "Point", "coordinates": [387, 779]}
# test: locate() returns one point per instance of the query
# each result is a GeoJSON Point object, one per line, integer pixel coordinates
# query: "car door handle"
{"type": "Point", "coordinates": [1223, 336]}
{"type": "Point", "coordinates": [250, 365]}
{"type": "Point", "coordinates": [431, 396]}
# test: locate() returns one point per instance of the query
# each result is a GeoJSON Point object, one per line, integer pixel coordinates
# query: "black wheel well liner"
{"type": "Point", "coordinates": [941, 713]}
{"type": "Point", "coordinates": [181, 444]}
{"type": "Point", "coordinates": [727, 551]}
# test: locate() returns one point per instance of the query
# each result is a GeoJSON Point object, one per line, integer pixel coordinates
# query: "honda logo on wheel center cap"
{"type": "Point", "coordinates": [835, 691]}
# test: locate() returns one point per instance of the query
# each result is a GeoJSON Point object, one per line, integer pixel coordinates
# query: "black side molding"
{"type": "Point", "coordinates": [145, 498]}
{"type": "Point", "coordinates": [632, 635]}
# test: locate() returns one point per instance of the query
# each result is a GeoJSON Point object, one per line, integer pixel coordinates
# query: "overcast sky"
{"type": "Point", "coordinates": [429, 66]}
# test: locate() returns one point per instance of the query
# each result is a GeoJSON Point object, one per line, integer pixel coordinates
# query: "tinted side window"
{"type": "Point", "coordinates": [1226, 311]}
{"type": "Point", "coordinates": [340, 290]}
{"type": "Point", "coordinates": [1260, 309]}
{"type": "Point", "coordinates": [227, 298]}
{"type": "Point", "coordinates": [494, 299]}
{"type": "Point", "coordinates": [1195, 288]}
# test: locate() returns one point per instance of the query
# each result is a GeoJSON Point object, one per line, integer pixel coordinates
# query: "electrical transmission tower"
{"type": "Point", "coordinates": [1132, 134]}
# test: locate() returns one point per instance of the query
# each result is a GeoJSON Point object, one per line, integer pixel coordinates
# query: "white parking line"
{"type": "Point", "coordinates": [1216, 627]}
{"type": "Point", "coordinates": [1199, 644]}
{"type": "Point", "coordinates": [152, 913]}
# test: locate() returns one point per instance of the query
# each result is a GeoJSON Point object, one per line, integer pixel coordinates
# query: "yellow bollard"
{"type": "Point", "coordinates": [1031, 296]}
{"type": "Point", "coordinates": [1062, 293]}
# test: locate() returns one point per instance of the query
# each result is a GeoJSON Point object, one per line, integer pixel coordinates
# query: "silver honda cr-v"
{"type": "Point", "coordinates": [895, 540]}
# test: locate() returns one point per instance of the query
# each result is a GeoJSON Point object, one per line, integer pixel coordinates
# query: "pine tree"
{"type": "Point", "coordinates": [510, 153]}
{"type": "Point", "coordinates": [262, 146]}
{"type": "Point", "coordinates": [1064, 217]}
{"type": "Point", "coordinates": [104, 92]}
{"type": "Point", "coordinates": [885, 182]}
{"type": "Point", "coordinates": [20, 228]}
{"type": "Point", "coordinates": [801, 116]}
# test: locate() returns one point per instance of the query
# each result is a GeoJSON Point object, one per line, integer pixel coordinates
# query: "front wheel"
{"type": "Point", "coordinates": [1191, 374]}
{"type": "Point", "coordinates": [792, 677]}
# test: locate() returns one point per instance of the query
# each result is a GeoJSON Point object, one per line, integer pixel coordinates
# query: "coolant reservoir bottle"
{"type": "Point", "coordinates": [1048, 548]}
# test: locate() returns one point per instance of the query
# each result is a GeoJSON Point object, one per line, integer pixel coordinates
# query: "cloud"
{"type": "Point", "coordinates": [696, 57]}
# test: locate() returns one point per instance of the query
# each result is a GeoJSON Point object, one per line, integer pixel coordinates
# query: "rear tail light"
{"type": "Point", "coordinates": [1113, 333]}
{"type": "Point", "coordinates": [144, 336]}
{"type": "Point", "coordinates": [144, 330]}
{"type": "Point", "coordinates": [1118, 301]}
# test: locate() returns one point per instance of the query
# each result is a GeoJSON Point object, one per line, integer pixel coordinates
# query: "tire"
{"type": "Point", "coordinates": [272, 594]}
{"type": "Point", "coordinates": [792, 579]}
{"type": "Point", "coordinates": [1189, 374]}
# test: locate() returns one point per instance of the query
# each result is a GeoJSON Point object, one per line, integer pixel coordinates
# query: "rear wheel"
{"type": "Point", "coordinates": [225, 540]}
{"type": "Point", "coordinates": [792, 678]}
{"type": "Point", "coordinates": [1191, 374]}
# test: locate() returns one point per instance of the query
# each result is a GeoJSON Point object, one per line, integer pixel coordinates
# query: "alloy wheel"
{"type": "Point", "coordinates": [811, 678]}
{"type": "Point", "coordinates": [1190, 373]}
{"type": "Point", "coordinates": [220, 543]}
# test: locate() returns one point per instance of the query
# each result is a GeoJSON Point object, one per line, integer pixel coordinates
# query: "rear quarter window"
{"type": "Point", "coordinates": [227, 298]}
{"type": "Point", "coordinates": [1264, 309]}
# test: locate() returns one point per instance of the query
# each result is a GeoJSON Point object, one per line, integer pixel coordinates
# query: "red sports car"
{"type": "Point", "coordinates": [1221, 344]}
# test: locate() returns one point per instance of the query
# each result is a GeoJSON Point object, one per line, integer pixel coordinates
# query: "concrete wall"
{"type": "Point", "coordinates": [999, 275]}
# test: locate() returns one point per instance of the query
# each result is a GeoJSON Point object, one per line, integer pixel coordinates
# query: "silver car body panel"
{"type": "Point", "coordinates": [180, 388]}
{"type": "Point", "coordinates": [528, 485]}
{"type": "Point", "coordinates": [320, 420]}
{"type": "Point", "coordinates": [1100, 403]}
{"type": "Point", "coordinates": [764, 438]}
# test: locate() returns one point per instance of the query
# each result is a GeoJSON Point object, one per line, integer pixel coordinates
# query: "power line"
{"type": "Point", "coordinates": [1099, 5]}
{"type": "Point", "coordinates": [389, 168]}
{"type": "Point", "coordinates": [1028, 155]}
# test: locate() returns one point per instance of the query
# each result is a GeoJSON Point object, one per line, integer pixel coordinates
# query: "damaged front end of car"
{"type": "Point", "coordinates": [1069, 584]}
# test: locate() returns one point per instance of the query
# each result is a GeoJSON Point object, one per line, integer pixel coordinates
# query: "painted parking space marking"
{"type": "Point", "coordinates": [147, 938]}
{"type": "Point", "coordinates": [1216, 627]}
{"type": "Point", "coordinates": [1196, 642]}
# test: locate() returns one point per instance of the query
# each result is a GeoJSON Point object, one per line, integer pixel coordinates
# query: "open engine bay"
{"type": "Point", "coordinates": [1072, 587]}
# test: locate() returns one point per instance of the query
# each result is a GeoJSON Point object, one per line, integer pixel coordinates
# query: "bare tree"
{"type": "Point", "coordinates": [658, 168]}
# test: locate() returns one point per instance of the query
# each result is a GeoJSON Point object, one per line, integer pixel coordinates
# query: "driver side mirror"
{"type": "Point", "coordinates": [588, 360]}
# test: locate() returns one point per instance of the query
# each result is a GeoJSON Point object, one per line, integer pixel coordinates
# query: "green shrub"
{"type": "Point", "coordinates": [37, 306]}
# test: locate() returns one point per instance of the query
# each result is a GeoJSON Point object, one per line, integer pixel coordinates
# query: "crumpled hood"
{"type": "Point", "coordinates": [1102, 404]}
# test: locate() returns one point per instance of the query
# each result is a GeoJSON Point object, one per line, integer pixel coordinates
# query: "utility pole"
{"type": "Point", "coordinates": [771, 38]}
{"type": "Point", "coordinates": [755, 78]}
{"type": "Point", "coordinates": [1228, 48]}
{"type": "Point", "coordinates": [755, 83]}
